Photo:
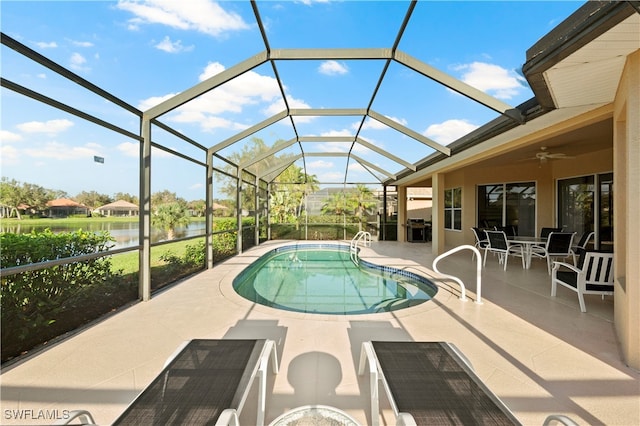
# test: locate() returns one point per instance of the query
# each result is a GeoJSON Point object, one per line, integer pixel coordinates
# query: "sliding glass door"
{"type": "Point", "coordinates": [585, 204]}
{"type": "Point", "coordinates": [508, 205]}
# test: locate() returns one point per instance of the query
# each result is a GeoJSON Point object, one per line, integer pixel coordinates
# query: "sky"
{"type": "Point", "coordinates": [145, 52]}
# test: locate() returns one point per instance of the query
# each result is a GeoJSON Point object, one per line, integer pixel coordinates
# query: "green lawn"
{"type": "Point", "coordinates": [129, 261]}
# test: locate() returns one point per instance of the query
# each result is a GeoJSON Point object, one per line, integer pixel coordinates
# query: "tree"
{"type": "Point", "coordinates": [166, 197]}
{"type": "Point", "coordinates": [365, 201]}
{"type": "Point", "coordinates": [93, 199]}
{"type": "Point", "coordinates": [14, 193]}
{"type": "Point", "coordinates": [169, 217]}
{"type": "Point", "coordinates": [336, 204]}
{"type": "Point", "coordinates": [198, 207]}
{"type": "Point", "coordinates": [126, 197]}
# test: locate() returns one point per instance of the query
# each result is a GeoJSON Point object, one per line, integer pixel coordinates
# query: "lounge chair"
{"type": "Point", "coordinates": [429, 383]}
{"type": "Point", "coordinates": [204, 382]}
{"type": "Point", "coordinates": [593, 274]}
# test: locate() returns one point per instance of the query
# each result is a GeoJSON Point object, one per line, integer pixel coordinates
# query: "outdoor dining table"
{"type": "Point", "coordinates": [527, 243]}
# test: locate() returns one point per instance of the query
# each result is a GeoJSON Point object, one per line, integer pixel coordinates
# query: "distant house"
{"type": "Point", "coordinates": [119, 208]}
{"type": "Point", "coordinates": [64, 207]}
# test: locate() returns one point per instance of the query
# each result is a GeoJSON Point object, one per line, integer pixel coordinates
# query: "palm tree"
{"type": "Point", "coordinates": [169, 217]}
{"type": "Point", "coordinates": [364, 201]}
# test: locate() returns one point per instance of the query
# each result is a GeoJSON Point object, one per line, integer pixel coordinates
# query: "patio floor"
{"type": "Point", "coordinates": [539, 355]}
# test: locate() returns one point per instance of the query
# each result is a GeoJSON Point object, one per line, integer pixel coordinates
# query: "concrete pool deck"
{"type": "Point", "coordinates": [539, 354]}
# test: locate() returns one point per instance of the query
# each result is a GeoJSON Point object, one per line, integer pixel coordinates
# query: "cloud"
{"type": "Point", "coordinates": [449, 131]}
{"type": "Point", "coordinates": [61, 151]}
{"type": "Point", "coordinates": [9, 155]}
{"type": "Point", "coordinates": [50, 127]}
{"type": "Point", "coordinates": [7, 136]}
{"type": "Point", "coordinates": [132, 149]}
{"type": "Point", "coordinates": [332, 68]}
{"type": "Point", "coordinates": [47, 44]}
{"type": "Point", "coordinates": [169, 46]}
{"type": "Point", "coordinates": [81, 43]}
{"type": "Point", "coordinates": [492, 79]}
{"type": "Point", "coordinates": [373, 124]}
{"type": "Point", "coordinates": [77, 62]}
{"type": "Point", "coordinates": [204, 16]}
{"type": "Point", "coordinates": [320, 164]}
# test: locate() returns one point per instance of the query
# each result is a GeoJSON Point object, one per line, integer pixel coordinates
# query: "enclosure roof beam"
{"type": "Point", "coordinates": [272, 151]}
{"type": "Point", "coordinates": [206, 85]}
{"type": "Point", "coordinates": [281, 165]}
{"type": "Point", "coordinates": [373, 166]}
{"type": "Point", "coordinates": [411, 133]}
{"type": "Point", "coordinates": [327, 112]}
{"type": "Point", "coordinates": [325, 54]}
{"type": "Point", "coordinates": [248, 132]}
{"type": "Point", "coordinates": [386, 154]}
{"type": "Point", "coordinates": [458, 86]}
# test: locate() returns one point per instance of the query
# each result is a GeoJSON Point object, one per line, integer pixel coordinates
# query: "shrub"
{"type": "Point", "coordinates": [33, 301]}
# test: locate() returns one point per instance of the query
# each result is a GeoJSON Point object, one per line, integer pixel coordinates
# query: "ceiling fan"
{"type": "Point", "coordinates": [544, 155]}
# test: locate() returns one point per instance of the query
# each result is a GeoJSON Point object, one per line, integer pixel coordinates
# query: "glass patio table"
{"type": "Point", "coordinates": [527, 244]}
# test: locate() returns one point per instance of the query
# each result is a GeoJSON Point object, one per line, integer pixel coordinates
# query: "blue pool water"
{"type": "Point", "coordinates": [323, 279]}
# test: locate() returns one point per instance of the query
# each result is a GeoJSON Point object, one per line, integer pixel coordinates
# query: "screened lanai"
{"type": "Point", "coordinates": [386, 106]}
{"type": "Point", "coordinates": [365, 137]}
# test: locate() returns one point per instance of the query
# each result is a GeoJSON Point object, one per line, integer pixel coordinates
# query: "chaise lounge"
{"type": "Point", "coordinates": [429, 383]}
{"type": "Point", "coordinates": [204, 382]}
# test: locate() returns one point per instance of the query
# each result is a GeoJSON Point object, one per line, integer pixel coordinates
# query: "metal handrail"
{"type": "Point", "coordinates": [353, 246]}
{"type": "Point", "coordinates": [463, 291]}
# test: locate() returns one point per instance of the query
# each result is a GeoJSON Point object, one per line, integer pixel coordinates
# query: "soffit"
{"type": "Point", "coordinates": [591, 74]}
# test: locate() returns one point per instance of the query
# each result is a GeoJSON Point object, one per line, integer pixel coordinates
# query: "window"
{"type": "Point", "coordinates": [510, 205]}
{"type": "Point", "coordinates": [453, 209]}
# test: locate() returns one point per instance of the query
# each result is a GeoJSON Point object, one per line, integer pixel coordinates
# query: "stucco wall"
{"type": "Point", "coordinates": [626, 212]}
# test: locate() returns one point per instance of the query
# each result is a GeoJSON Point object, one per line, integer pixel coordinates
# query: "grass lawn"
{"type": "Point", "coordinates": [129, 262]}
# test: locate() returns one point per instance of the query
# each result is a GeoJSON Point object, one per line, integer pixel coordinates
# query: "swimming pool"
{"type": "Point", "coordinates": [322, 279]}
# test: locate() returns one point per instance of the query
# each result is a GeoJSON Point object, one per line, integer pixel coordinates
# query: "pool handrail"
{"type": "Point", "coordinates": [463, 290]}
{"type": "Point", "coordinates": [353, 247]}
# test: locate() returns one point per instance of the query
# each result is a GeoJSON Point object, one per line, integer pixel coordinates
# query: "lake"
{"type": "Point", "coordinates": [125, 233]}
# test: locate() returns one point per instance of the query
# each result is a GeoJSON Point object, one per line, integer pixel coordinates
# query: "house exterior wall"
{"type": "Point", "coordinates": [626, 146]}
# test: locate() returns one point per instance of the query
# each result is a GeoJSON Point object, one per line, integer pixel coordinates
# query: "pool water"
{"type": "Point", "coordinates": [325, 280]}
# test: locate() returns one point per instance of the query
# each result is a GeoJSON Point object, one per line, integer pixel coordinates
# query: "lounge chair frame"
{"type": "Point", "coordinates": [369, 357]}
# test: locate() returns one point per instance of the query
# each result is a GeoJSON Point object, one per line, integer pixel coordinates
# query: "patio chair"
{"type": "Point", "coordinates": [498, 244]}
{"type": "Point", "coordinates": [582, 245]}
{"type": "Point", "coordinates": [593, 274]}
{"type": "Point", "coordinates": [481, 240]}
{"type": "Point", "coordinates": [544, 232]}
{"type": "Point", "coordinates": [558, 245]}
{"type": "Point", "coordinates": [204, 382]}
{"type": "Point", "coordinates": [429, 383]}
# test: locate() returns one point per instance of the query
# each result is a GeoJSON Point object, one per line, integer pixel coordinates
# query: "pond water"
{"type": "Point", "coordinates": [125, 233]}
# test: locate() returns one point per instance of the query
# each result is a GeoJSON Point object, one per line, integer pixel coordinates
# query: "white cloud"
{"type": "Point", "coordinates": [47, 44]}
{"type": "Point", "coordinates": [204, 16]}
{"type": "Point", "coordinates": [41, 75]}
{"type": "Point", "coordinates": [50, 127]}
{"type": "Point", "coordinates": [145, 104]}
{"type": "Point", "coordinates": [320, 164]}
{"type": "Point", "coordinates": [9, 155]}
{"type": "Point", "coordinates": [169, 46]}
{"type": "Point", "coordinates": [492, 79]}
{"type": "Point", "coordinates": [7, 136]}
{"type": "Point", "coordinates": [333, 146]}
{"type": "Point", "coordinates": [372, 124]}
{"type": "Point", "coordinates": [61, 151]}
{"type": "Point", "coordinates": [343, 132]}
{"type": "Point", "coordinates": [130, 149]}
{"type": "Point", "coordinates": [332, 68]}
{"type": "Point", "coordinates": [77, 62]}
{"type": "Point", "coordinates": [449, 131]}
{"type": "Point", "coordinates": [82, 43]}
